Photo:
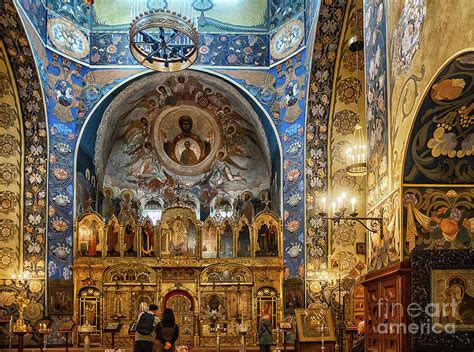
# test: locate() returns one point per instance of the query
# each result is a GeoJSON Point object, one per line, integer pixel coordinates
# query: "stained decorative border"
{"type": "Point", "coordinates": [423, 263]}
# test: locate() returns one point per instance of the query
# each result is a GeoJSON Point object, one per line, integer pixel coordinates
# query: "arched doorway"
{"type": "Point", "coordinates": [182, 304]}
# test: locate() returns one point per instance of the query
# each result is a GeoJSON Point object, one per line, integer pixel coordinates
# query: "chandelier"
{"type": "Point", "coordinates": [163, 41]}
{"type": "Point", "coordinates": [357, 151]}
{"type": "Point", "coordinates": [357, 154]}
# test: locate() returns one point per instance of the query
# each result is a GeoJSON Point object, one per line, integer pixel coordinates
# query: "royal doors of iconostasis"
{"type": "Point", "coordinates": [182, 304]}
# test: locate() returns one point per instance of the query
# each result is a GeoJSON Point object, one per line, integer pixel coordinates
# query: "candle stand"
{"type": "Point", "coordinates": [86, 330]}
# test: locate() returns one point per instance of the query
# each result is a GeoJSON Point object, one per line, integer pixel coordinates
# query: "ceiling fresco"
{"type": "Point", "coordinates": [165, 133]}
{"type": "Point", "coordinates": [231, 32]}
{"type": "Point", "coordinates": [209, 14]}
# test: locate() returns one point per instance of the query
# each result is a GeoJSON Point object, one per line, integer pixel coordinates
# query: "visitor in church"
{"type": "Point", "coordinates": [265, 334]}
{"type": "Point", "coordinates": [145, 334]}
{"type": "Point", "coordinates": [167, 332]}
{"type": "Point", "coordinates": [359, 345]}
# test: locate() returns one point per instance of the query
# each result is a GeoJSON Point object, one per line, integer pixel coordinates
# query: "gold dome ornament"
{"type": "Point", "coordinates": [163, 41]}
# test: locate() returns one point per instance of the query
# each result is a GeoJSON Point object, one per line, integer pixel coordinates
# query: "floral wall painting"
{"type": "Point", "coordinates": [438, 218]}
{"type": "Point", "coordinates": [441, 148]}
{"type": "Point", "coordinates": [321, 79]}
{"type": "Point", "coordinates": [384, 249]}
{"type": "Point", "coordinates": [408, 34]}
{"type": "Point", "coordinates": [21, 98]}
{"type": "Point", "coordinates": [10, 164]}
{"type": "Point", "coordinates": [376, 101]}
{"type": "Point", "coordinates": [22, 62]}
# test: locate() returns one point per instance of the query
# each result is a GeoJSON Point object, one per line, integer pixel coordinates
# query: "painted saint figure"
{"type": "Point", "coordinates": [112, 236]}
{"type": "Point", "coordinates": [226, 242]}
{"type": "Point", "coordinates": [263, 241]}
{"type": "Point", "coordinates": [186, 148]}
{"type": "Point", "coordinates": [243, 242]}
{"type": "Point", "coordinates": [247, 209]}
{"type": "Point", "coordinates": [93, 242]}
{"type": "Point", "coordinates": [191, 237]}
{"type": "Point", "coordinates": [209, 242]}
{"type": "Point", "coordinates": [272, 240]}
{"type": "Point", "coordinates": [178, 238]}
{"type": "Point", "coordinates": [147, 239]}
{"type": "Point", "coordinates": [187, 155]}
{"type": "Point", "coordinates": [128, 239]}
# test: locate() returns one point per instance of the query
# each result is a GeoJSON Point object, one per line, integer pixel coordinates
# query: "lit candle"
{"type": "Point", "coordinates": [343, 197]}
{"type": "Point", "coordinates": [339, 202]}
{"type": "Point", "coordinates": [353, 203]}
{"type": "Point", "coordinates": [323, 203]}
{"type": "Point", "coordinates": [334, 207]}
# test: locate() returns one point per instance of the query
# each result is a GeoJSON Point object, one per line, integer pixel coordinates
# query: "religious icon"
{"type": "Point", "coordinates": [89, 242]}
{"type": "Point", "coordinates": [191, 236]}
{"type": "Point", "coordinates": [147, 239]}
{"type": "Point", "coordinates": [187, 148]}
{"type": "Point", "coordinates": [129, 241]}
{"type": "Point", "coordinates": [112, 236]}
{"type": "Point", "coordinates": [272, 239]}
{"type": "Point", "coordinates": [294, 295]}
{"type": "Point", "coordinates": [263, 243]}
{"type": "Point", "coordinates": [90, 310]}
{"type": "Point", "coordinates": [178, 236]}
{"type": "Point", "coordinates": [243, 243]}
{"type": "Point", "coordinates": [108, 205]}
{"type": "Point", "coordinates": [226, 240]}
{"type": "Point", "coordinates": [247, 208]}
{"type": "Point", "coordinates": [452, 290]}
{"type": "Point", "coordinates": [209, 241]}
{"type": "Point", "coordinates": [61, 302]}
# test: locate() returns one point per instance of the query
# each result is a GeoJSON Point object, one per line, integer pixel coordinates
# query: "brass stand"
{"type": "Point", "coordinates": [86, 330]}
{"type": "Point", "coordinates": [44, 333]}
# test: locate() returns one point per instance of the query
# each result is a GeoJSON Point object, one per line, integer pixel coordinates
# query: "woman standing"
{"type": "Point", "coordinates": [167, 332]}
{"type": "Point", "coordinates": [265, 334]}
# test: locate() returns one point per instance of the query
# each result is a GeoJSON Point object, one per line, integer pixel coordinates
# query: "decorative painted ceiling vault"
{"type": "Point", "coordinates": [328, 31]}
{"type": "Point", "coordinates": [144, 132]}
{"type": "Point", "coordinates": [347, 111]}
{"type": "Point", "coordinates": [243, 33]}
{"type": "Point", "coordinates": [34, 138]}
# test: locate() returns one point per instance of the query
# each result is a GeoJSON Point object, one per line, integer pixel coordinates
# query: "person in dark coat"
{"type": "Point", "coordinates": [359, 345]}
{"type": "Point", "coordinates": [167, 332]}
{"type": "Point", "coordinates": [265, 334]}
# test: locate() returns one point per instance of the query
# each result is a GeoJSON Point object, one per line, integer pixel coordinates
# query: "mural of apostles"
{"type": "Point", "coordinates": [165, 133]}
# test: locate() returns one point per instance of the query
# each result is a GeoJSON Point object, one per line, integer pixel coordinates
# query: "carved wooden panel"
{"type": "Point", "coordinates": [386, 298]}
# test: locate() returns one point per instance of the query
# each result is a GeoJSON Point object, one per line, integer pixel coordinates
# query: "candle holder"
{"type": "Point", "coordinates": [20, 326]}
{"type": "Point", "coordinates": [86, 330]}
{"type": "Point", "coordinates": [342, 215]}
{"type": "Point", "coordinates": [242, 330]}
{"type": "Point", "coordinates": [44, 331]}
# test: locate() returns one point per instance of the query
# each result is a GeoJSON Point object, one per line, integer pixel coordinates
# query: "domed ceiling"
{"type": "Point", "coordinates": [189, 131]}
{"type": "Point", "coordinates": [231, 32]}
